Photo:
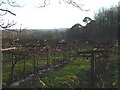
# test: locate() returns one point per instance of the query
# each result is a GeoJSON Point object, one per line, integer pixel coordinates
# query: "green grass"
{"type": "Point", "coordinates": [5, 58]}
{"type": "Point", "coordinates": [5, 72]}
{"type": "Point", "coordinates": [115, 71]}
{"type": "Point", "coordinates": [73, 73]}
{"type": "Point", "coordinates": [113, 80]}
{"type": "Point", "coordinates": [18, 69]}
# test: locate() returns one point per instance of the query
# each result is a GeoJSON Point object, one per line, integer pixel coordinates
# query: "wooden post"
{"type": "Point", "coordinates": [64, 56]}
{"type": "Point", "coordinates": [1, 69]}
{"type": "Point", "coordinates": [12, 69]}
{"type": "Point", "coordinates": [106, 67]}
{"type": "Point", "coordinates": [92, 69]}
{"type": "Point", "coordinates": [69, 49]}
{"type": "Point", "coordinates": [47, 63]}
{"type": "Point", "coordinates": [1, 58]}
{"type": "Point", "coordinates": [37, 63]}
{"type": "Point", "coordinates": [24, 68]}
{"type": "Point", "coordinates": [34, 65]}
{"type": "Point", "coordinates": [54, 51]}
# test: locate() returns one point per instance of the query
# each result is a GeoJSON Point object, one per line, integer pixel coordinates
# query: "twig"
{"type": "Point", "coordinates": [7, 49]}
{"type": "Point", "coordinates": [43, 84]}
{"type": "Point", "coordinates": [98, 85]}
{"type": "Point", "coordinates": [72, 2]}
{"type": "Point", "coordinates": [8, 25]}
{"type": "Point", "coordinates": [67, 84]}
{"type": "Point", "coordinates": [45, 4]}
{"type": "Point", "coordinates": [102, 83]}
{"type": "Point", "coordinates": [12, 3]}
{"type": "Point", "coordinates": [75, 4]}
{"type": "Point", "coordinates": [59, 1]}
{"type": "Point", "coordinates": [2, 2]}
{"type": "Point", "coordinates": [5, 10]}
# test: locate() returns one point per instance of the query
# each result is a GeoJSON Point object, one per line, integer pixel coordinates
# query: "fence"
{"type": "Point", "coordinates": [38, 60]}
{"type": "Point", "coordinates": [96, 56]}
{"type": "Point", "coordinates": [17, 55]}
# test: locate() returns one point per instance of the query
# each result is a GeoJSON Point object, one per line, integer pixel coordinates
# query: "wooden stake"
{"type": "Point", "coordinates": [92, 69]}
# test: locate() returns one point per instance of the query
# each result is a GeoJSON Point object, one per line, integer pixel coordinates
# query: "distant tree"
{"type": "Point", "coordinates": [101, 30]}
{"type": "Point", "coordinates": [107, 20]}
{"type": "Point", "coordinates": [76, 26]}
{"type": "Point", "coordinates": [90, 30]}
{"type": "Point", "coordinates": [74, 32]}
{"type": "Point", "coordinates": [87, 20]}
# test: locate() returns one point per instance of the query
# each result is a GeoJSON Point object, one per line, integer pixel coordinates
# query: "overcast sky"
{"type": "Point", "coordinates": [55, 15]}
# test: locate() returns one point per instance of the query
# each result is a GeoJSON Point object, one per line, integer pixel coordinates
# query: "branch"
{"type": "Point", "coordinates": [8, 25]}
{"type": "Point", "coordinates": [72, 2]}
{"type": "Point", "coordinates": [12, 3]}
{"type": "Point", "coordinates": [44, 4]}
{"type": "Point", "coordinates": [2, 2]}
{"type": "Point", "coordinates": [103, 86]}
{"type": "Point", "coordinates": [7, 49]}
{"type": "Point", "coordinates": [75, 4]}
{"type": "Point", "coordinates": [98, 85]}
{"type": "Point", "coordinates": [3, 14]}
{"type": "Point", "coordinates": [59, 1]}
{"type": "Point", "coordinates": [43, 84]}
{"type": "Point", "coordinates": [5, 10]}
{"type": "Point", "coordinates": [70, 86]}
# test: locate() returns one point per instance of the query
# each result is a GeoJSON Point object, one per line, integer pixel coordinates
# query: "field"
{"type": "Point", "coordinates": [59, 63]}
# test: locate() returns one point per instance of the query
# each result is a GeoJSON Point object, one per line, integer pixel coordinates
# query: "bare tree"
{"type": "Point", "coordinates": [3, 26]}
{"type": "Point", "coordinates": [4, 11]}
{"type": "Point", "coordinates": [75, 3]}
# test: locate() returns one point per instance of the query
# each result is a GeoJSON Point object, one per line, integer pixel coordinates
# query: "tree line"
{"type": "Point", "coordinates": [103, 29]}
